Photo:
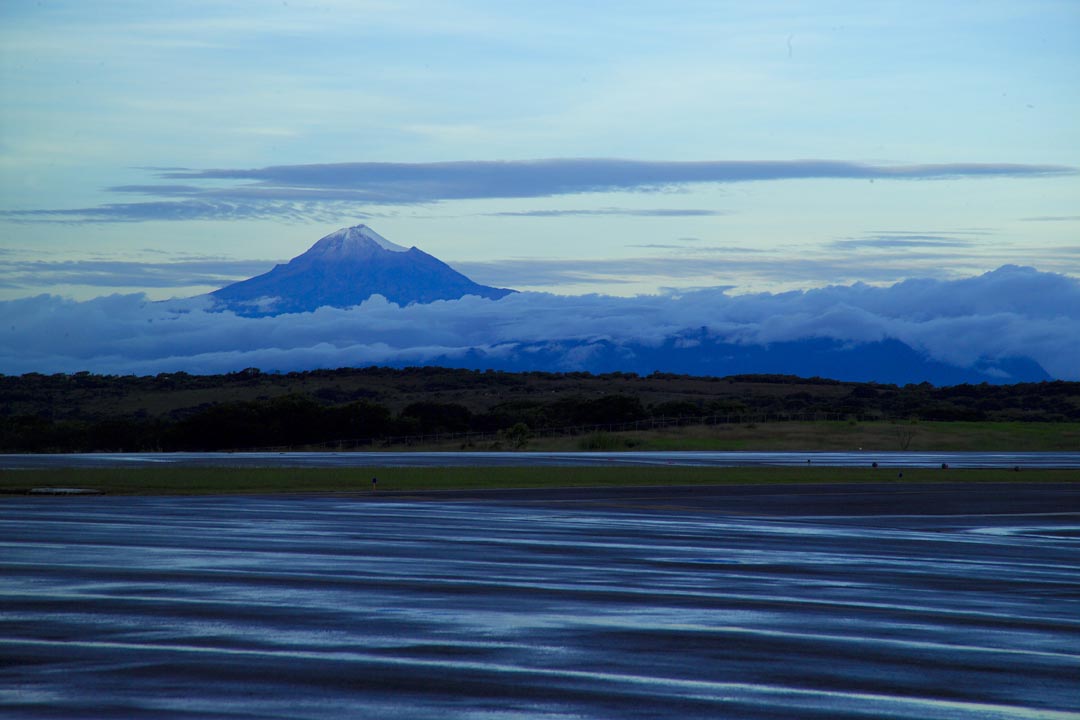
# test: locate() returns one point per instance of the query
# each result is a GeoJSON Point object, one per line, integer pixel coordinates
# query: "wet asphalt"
{"type": "Point", "coordinates": [830, 601]}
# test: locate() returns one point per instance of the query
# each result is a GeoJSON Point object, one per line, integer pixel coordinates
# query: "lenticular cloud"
{"type": "Point", "coordinates": [1010, 312]}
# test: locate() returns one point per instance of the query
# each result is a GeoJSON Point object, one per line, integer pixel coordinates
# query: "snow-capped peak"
{"type": "Point", "coordinates": [356, 240]}
{"type": "Point", "coordinates": [344, 269]}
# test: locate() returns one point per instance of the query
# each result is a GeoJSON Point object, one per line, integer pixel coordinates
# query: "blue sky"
{"type": "Point", "coordinates": [620, 148]}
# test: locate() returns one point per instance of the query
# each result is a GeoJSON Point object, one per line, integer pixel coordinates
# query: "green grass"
{"type": "Point", "coordinates": [814, 436]}
{"type": "Point", "coordinates": [210, 481]}
{"type": "Point", "coordinates": [825, 436]}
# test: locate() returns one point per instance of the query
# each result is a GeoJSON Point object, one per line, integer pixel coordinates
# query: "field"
{"type": "Point", "coordinates": [799, 437]}
{"type": "Point", "coordinates": [257, 481]}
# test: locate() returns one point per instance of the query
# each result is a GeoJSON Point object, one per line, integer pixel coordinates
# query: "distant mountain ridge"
{"type": "Point", "coordinates": [886, 361]}
{"type": "Point", "coordinates": [344, 269]}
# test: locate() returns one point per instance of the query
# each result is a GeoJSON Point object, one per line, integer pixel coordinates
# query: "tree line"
{"type": "Point", "coordinates": [296, 420]}
{"type": "Point", "coordinates": [323, 415]}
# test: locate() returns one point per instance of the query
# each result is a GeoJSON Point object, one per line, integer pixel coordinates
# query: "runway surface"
{"type": "Point", "coordinates": [770, 602]}
{"type": "Point", "coordinates": [547, 459]}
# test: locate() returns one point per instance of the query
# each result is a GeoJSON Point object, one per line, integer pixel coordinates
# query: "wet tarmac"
{"type": "Point", "coordinates": [827, 601]}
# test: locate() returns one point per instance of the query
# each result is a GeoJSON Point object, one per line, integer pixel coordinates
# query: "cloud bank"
{"type": "Point", "coordinates": [1010, 312]}
{"type": "Point", "coordinates": [319, 192]}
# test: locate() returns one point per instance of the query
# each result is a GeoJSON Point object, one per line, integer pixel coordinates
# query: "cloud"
{"type": "Point", "coordinates": [694, 248]}
{"type": "Point", "coordinates": [656, 212]}
{"type": "Point", "coordinates": [259, 209]}
{"type": "Point", "coordinates": [697, 264]}
{"type": "Point", "coordinates": [118, 274]}
{"type": "Point", "coordinates": [891, 241]}
{"type": "Point", "coordinates": [540, 178]}
{"type": "Point", "coordinates": [322, 192]}
{"type": "Point", "coordinates": [1012, 311]}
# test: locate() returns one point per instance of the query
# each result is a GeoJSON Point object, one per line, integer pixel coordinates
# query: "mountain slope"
{"type": "Point", "coordinates": [346, 268]}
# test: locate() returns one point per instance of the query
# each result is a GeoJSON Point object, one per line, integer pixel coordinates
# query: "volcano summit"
{"type": "Point", "coordinates": [344, 269]}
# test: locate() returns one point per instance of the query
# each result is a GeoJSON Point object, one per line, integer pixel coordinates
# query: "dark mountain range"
{"type": "Point", "coordinates": [344, 269]}
{"type": "Point", "coordinates": [887, 361]}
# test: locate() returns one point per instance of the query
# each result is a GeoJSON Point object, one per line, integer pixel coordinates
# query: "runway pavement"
{"type": "Point", "coordinates": [891, 601]}
{"type": "Point", "coordinates": [548, 459]}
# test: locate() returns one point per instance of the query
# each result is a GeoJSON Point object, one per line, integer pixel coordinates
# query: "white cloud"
{"type": "Point", "coordinates": [1012, 311]}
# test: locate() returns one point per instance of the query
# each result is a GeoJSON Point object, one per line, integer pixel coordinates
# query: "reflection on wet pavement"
{"type": "Point", "coordinates": [331, 607]}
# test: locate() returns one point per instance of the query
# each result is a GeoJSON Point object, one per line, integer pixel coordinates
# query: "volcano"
{"type": "Point", "coordinates": [344, 269]}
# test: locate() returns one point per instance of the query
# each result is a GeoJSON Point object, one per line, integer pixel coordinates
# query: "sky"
{"type": "Point", "coordinates": [620, 148]}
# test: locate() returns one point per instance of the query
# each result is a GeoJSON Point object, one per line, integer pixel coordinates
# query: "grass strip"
{"type": "Point", "coordinates": [258, 481]}
{"type": "Point", "coordinates": [836, 436]}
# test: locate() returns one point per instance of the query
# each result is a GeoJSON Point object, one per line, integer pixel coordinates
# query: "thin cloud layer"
{"type": "Point", "coordinates": [320, 192]}
{"type": "Point", "coordinates": [1011, 312]}
{"type": "Point", "coordinates": [602, 212]}
{"type": "Point", "coordinates": [902, 239]}
{"type": "Point", "coordinates": [128, 274]}
{"type": "Point", "coordinates": [704, 266]}
{"type": "Point", "coordinates": [260, 208]}
{"type": "Point", "coordinates": [426, 182]}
